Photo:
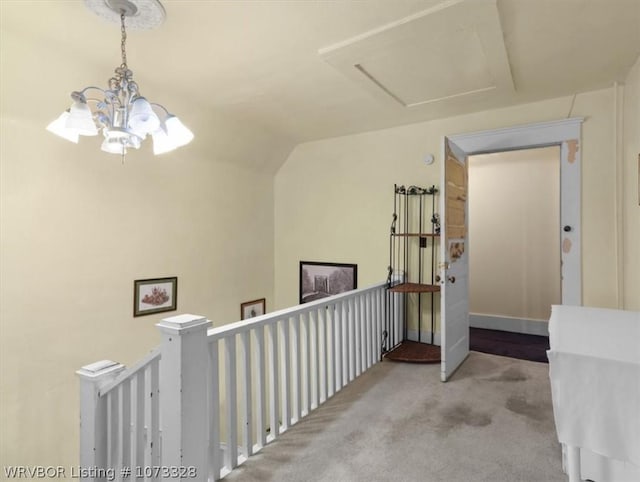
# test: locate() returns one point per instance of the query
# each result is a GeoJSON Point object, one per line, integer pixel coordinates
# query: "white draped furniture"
{"type": "Point", "coordinates": [594, 367]}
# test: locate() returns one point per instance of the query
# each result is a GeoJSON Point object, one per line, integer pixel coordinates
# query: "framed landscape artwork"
{"type": "Point", "coordinates": [319, 280]}
{"type": "Point", "coordinates": [155, 295]}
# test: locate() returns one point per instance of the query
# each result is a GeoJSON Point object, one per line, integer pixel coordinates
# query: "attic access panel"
{"type": "Point", "coordinates": [452, 51]}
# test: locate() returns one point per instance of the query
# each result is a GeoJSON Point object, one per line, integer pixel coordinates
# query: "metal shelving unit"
{"type": "Point", "coordinates": [414, 234]}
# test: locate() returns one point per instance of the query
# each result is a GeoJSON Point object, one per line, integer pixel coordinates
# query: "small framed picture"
{"type": "Point", "coordinates": [155, 295]}
{"type": "Point", "coordinates": [253, 308]}
{"type": "Point", "coordinates": [319, 280]}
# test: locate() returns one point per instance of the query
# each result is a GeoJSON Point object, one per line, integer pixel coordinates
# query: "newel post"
{"type": "Point", "coordinates": [93, 413]}
{"type": "Point", "coordinates": [183, 393]}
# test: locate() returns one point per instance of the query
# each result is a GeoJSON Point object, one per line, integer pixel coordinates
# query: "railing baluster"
{"type": "Point", "coordinates": [274, 389]}
{"type": "Point", "coordinates": [138, 425]}
{"type": "Point", "coordinates": [380, 313]}
{"type": "Point", "coordinates": [356, 342]}
{"type": "Point", "coordinates": [146, 462]}
{"type": "Point", "coordinates": [155, 446]}
{"type": "Point", "coordinates": [366, 331]}
{"type": "Point", "coordinates": [286, 375]}
{"type": "Point", "coordinates": [113, 423]}
{"type": "Point", "coordinates": [231, 459]}
{"type": "Point", "coordinates": [307, 379]}
{"type": "Point", "coordinates": [363, 332]}
{"type": "Point", "coordinates": [371, 315]}
{"type": "Point", "coordinates": [362, 345]}
{"type": "Point", "coordinates": [323, 333]}
{"type": "Point", "coordinates": [345, 343]}
{"type": "Point", "coordinates": [126, 424]}
{"type": "Point", "coordinates": [379, 319]}
{"type": "Point", "coordinates": [214, 411]}
{"type": "Point", "coordinates": [397, 328]}
{"type": "Point", "coordinates": [247, 404]}
{"type": "Point", "coordinates": [296, 368]}
{"type": "Point", "coordinates": [314, 326]}
{"type": "Point", "coordinates": [337, 354]}
{"type": "Point", "coordinates": [358, 329]}
{"type": "Point", "coordinates": [380, 309]}
{"type": "Point", "coordinates": [352, 329]}
{"type": "Point", "coordinates": [261, 434]}
{"type": "Point", "coordinates": [330, 352]}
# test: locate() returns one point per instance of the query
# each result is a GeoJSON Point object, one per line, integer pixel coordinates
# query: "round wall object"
{"type": "Point", "coordinates": [428, 159]}
{"type": "Point", "coordinates": [140, 14]}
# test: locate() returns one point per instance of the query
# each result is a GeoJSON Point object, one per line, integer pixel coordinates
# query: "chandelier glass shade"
{"type": "Point", "coordinates": [123, 116]}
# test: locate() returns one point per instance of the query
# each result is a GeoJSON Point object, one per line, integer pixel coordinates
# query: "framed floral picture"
{"type": "Point", "coordinates": [155, 295]}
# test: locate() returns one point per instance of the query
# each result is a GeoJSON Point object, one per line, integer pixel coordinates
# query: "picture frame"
{"type": "Point", "coordinates": [251, 309]}
{"type": "Point", "coordinates": [155, 295]}
{"type": "Point", "coordinates": [320, 280]}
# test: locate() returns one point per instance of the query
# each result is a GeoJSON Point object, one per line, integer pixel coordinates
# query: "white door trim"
{"type": "Point", "coordinates": [519, 137]}
{"type": "Point", "coordinates": [567, 134]}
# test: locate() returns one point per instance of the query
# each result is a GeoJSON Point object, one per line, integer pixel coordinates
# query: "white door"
{"type": "Point", "coordinates": [454, 269]}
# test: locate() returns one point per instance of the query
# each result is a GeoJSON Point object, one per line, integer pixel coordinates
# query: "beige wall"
{"type": "Point", "coordinates": [514, 233]}
{"type": "Point", "coordinates": [631, 186]}
{"type": "Point", "coordinates": [333, 198]}
{"type": "Point", "coordinates": [78, 228]}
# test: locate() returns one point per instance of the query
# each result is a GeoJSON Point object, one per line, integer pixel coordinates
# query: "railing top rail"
{"type": "Point", "coordinates": [230, 329]}
{"type": "Point", "coordinates": [130, 371]}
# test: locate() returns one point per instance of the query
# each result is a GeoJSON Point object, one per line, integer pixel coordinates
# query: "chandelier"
{"type": "Point", "coordinates": [120, 112]}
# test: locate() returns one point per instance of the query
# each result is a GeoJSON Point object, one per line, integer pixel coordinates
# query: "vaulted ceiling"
{"type": "Point", "coordinates": [281, 72]}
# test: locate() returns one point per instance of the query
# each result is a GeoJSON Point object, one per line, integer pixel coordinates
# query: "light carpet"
{"type": "Point", "coordinates": [492, 422]}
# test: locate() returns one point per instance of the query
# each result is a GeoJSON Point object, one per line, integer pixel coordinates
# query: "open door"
{"type": "Point", "coordinates": [454, 268]}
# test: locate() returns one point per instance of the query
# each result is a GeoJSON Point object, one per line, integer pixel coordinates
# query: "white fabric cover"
{"type": "Point", "coordinates": [594, 367]}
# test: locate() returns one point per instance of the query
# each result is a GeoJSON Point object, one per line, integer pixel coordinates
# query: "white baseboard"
{"type": "Point", "coordinates": [505, 323]}
{"type": "Point", "coordinates": [426, 337]}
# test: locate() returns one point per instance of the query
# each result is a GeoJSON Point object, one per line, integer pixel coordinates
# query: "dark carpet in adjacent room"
{"type": "Point", "coordinates": [513, 345]}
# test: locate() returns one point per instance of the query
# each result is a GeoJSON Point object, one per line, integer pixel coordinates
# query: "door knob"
{"type": "Point", "coordinates": [452, 279]}
{"type": "Point", "coordinates": [567, 228]}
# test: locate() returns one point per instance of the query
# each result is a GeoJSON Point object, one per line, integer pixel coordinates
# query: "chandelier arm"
{"type": "Point", "coordinates": [155, 104]}
{"type": "Point", "coordinates": [78, 95]}
{"type": "Point", "coordinates": [93, 99]}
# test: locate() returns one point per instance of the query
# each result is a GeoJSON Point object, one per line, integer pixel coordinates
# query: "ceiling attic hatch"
{"type": "Point", "coordinates": [452, 52]}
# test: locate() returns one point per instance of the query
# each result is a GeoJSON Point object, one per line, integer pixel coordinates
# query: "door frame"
{"type": "Point", "coordinates": [567, 133]}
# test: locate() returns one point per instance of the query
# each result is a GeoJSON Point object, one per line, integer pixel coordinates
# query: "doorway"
{"type": "Point", "coordinates": [514, 234]}
{"type": "Point", "coordinates": [514, 241]}
{"type": "Point", "coordinates": [566, 133]}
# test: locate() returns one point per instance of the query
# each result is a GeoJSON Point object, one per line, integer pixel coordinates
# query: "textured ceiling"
{"type": "Point", "coordinates": [277, 73]}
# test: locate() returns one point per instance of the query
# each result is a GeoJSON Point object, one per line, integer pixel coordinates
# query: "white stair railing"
{"type": "Point", "coordinates": [120, 419]}
{"type": "Point", "coordinates": [207, 399]}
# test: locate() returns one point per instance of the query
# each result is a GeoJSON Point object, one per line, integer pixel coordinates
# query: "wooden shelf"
{"type": "Point", "coordinates": [415, 288]}
{"type": "Point", "coordinates": [421, 235]}
{"type": "Point", "coordinates": [414, 352]}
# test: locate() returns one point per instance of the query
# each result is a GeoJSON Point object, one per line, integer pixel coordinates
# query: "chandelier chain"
{"type": "Point", "coordinates": [123, 41]}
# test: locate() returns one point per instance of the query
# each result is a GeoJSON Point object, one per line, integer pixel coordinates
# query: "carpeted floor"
{"type": "Point", "coordinates": [492, 422]}
{"type": "Point", "coordinates": [514, 345]}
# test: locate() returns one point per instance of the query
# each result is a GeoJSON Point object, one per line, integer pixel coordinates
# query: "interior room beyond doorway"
{"type": "Point", "coordinates": [514, 239]}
